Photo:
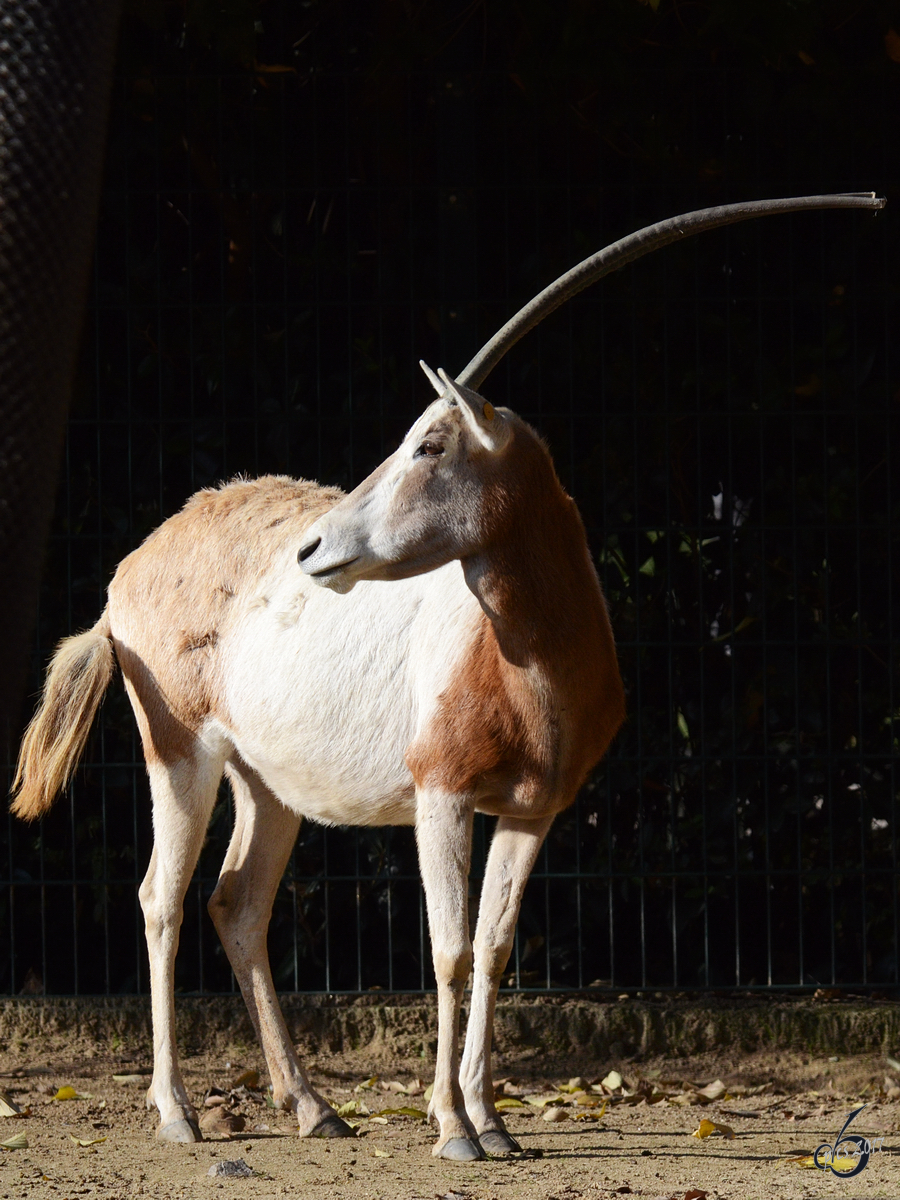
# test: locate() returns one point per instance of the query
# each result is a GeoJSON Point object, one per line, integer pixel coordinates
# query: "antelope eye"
{"type": "Point", "coordinates": [429, 450]}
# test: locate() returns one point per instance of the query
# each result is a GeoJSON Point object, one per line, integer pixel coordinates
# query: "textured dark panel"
{"type": "Point", "coordinates": [55, 66]}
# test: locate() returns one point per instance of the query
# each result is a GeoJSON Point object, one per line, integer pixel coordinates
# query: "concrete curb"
{"type": "Point", "coordinates": [404, 1026]}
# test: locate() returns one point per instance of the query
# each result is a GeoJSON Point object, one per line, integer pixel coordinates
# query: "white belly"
{"type": "Point", "coordinates": [324, 693]}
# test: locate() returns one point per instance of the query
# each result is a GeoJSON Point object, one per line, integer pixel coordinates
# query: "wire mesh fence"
{"type": "Point", "coordinates": [278, 246]}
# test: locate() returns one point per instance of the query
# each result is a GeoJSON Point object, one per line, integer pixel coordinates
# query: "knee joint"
{"type": "Point", "coordinates": [491, 957]}
{"type": "Point", "coordinates": [453, 967]}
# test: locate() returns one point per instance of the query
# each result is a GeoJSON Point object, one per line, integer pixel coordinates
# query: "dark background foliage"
{"type": "Point", "coordinates": [302, 199]}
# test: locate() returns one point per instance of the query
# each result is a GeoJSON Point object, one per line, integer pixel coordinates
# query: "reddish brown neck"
{"type": "Point", "coordinates": [538, 697]}
{"type": "Point", "coordinates": [534, 579]}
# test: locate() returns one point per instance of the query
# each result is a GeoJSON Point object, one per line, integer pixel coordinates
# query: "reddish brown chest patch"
{"type": "Point", "coordinates": [521, 732]}
{"type": "Point", "coordinates": [489, 734]}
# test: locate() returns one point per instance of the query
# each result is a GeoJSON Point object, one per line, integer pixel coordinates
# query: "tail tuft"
{"type": "Point", "coordinates": [76, 681]}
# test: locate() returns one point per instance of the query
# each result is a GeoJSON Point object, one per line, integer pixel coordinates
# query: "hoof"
{"type": "Point", "coordinates": [460, 1150]}
{"type": "Point", "coordinates": [180, 1131]}
{"type": "Point", "coordinates": [497, 1142]}
{"type": "Point", "coordinates": [332, 1127]}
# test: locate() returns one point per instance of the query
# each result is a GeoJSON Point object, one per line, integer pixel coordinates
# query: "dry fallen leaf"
{"type": "Point", "coordinates": [707, 1128]}
{"type": "Point", "coordinates": [8, 1106]}
{"type": "Point", "coordinates": [86, 1141]}
{"type": "Point", "coordinates": [382, 1153]}
{"type": "Point", "coordinates": [353, 1108]}
{"type": "Point", "coordinates": [592, 1114]}
{"type": "Point", "coordinates": [542, 1100]}
{"type": "Point", "coordinates": [216, 1122]}
{"type": "Point", "coordinates": [556, 1113]}
{"type": "Point", "coordinates": [712, 1091]}
{"type": "Point", "coordinates": [273, 68]}
{"type": "Point", "coordinates": [403, 1112]}
{"type": "Point", "coordinates": [806, 1161]}
{"type": "Point", "coordinates": [69, 1093]}
{"type": "Point", "coordinates": [367, 1083]}
{"type": "Point", "coordinates": [613, 1081]}
{"type": "Point", "coordinates": [19, 1142]}
{"type": "Point", "coordinates": [510, 1102]}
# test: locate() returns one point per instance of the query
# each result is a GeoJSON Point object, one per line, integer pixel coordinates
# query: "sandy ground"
{"type": "Point", "coordinates": [781, 1106]}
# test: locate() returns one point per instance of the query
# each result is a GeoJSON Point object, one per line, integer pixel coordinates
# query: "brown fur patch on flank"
{"type": "Point", "coordinates": [199, 641]}
{"type": "Point", "coordinates": [195, 574]}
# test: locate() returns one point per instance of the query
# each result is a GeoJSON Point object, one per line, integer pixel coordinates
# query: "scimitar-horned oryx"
{"type": "Point", "coordinates": [482, 679]}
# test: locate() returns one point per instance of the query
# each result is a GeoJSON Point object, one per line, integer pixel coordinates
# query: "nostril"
{"type": "Point", "coordinates": [305, 551]}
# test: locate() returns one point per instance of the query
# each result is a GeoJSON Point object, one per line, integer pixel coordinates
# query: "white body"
{"type": "Point", "coordinates": [376, 659]}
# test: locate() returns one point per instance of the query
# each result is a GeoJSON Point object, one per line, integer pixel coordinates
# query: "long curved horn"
{"type": "Point", "coordinates": [625, 251]}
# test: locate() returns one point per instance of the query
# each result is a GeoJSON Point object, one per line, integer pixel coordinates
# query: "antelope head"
{"type": "Point", "coordinates": [423, 507]}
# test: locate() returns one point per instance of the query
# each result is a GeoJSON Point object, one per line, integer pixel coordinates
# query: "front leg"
{"type": "Point", "coordinates": [514, 848]}
{"type": "Point", "coordinates": [444, 837]}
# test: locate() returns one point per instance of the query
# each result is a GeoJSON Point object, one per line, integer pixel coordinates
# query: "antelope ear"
{"type": "Point", "coordinates": [432, 378]}
{"type": "Point", "coordinates": [490, 426]}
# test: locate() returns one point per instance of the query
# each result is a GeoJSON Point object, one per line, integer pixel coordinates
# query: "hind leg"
{"type": "Point", "coordinates": [241, 906]}
{"type": "Point", "coordinates": [184, 793]}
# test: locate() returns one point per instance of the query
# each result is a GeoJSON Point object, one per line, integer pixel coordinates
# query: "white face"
{"type": "Point", "coordinates": [422, 507]}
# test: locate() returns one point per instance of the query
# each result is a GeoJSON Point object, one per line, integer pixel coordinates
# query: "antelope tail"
{"type": "Point", "coordinates": [76, 681]}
